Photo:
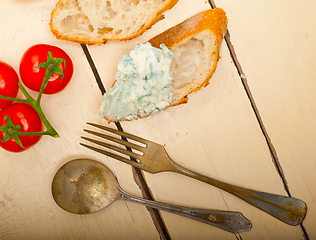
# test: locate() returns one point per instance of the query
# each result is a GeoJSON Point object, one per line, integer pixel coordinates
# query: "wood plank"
{"type": "Point", "coordinates": [27, 208]}
{"type": "Point", "coordinates": [280, 67]}
{"type": "Point", "coordinates": [216, 134]}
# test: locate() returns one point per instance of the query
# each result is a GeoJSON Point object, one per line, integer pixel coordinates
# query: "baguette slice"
{"type": "Point", "coordinates": [195, 44]}
{"type": "Point", "coordinates": [97, 21]}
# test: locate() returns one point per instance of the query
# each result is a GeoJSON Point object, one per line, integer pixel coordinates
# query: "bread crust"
{"type": "Point", "coordinates": [213, 20]}
{"type": "Point", "coordinates": [82, 40]}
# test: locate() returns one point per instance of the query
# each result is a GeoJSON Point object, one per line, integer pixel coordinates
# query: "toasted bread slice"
{"type": "Point", "coordinates": [195, 44]}
{"type": "Point", "coordinates": [97, 21]}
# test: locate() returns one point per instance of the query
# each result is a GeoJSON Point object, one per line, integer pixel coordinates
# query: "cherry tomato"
{"type": "Point", "coordinates": [8, 83]}
{"type": "Point", "coordinates": [32, 75]}
{"type": "Point", "coordinates": [24, 115]}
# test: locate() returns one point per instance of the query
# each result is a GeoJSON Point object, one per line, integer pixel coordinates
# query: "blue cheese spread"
{"type": "Point", "coordinates": [143, 84]}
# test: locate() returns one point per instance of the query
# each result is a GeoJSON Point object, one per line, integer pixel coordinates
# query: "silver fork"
{"type": "Point", "coordinates": [154, 159]}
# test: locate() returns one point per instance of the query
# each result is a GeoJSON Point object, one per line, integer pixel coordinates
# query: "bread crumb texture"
{"type": "Point", "coordinates": [97, 21]}
{"type": "Point", "coordinates": [195, 44]}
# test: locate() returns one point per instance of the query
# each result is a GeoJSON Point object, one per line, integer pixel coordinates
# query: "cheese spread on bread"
{"type": "Point", "coordinates": [143, 84]}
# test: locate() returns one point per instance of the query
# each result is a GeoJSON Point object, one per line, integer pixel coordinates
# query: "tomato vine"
{"type": "Point", "coordinates": [11, 130]}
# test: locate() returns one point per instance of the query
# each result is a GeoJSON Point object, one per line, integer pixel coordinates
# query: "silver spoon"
{"type": "Point", "coordinates": [86, 186]}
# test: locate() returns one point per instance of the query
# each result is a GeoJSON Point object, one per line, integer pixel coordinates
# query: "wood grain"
{"type": "Point", "coordinates": [220, 127]}
{"type": "Point", "coordinates": [280, 68]}
{"type": "Point", "coordinates": [27, 208]}
{"type": "Point", "coordinates": [217, 133]}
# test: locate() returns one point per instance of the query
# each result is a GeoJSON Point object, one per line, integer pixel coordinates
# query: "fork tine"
{"type": "Point", "coordinates": [117, 140]}
{"type": "Point", "coordinates": [112, 155]}
{"type": "Point", "coordinates": [115, 148]}
{"type": "Point", "coordinates": [123, 134]}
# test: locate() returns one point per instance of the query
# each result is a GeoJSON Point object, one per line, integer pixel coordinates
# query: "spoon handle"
{"type": "Point", "coordinates": [233, 222]}
{"type": "Point", "coordinates": [287, 209]}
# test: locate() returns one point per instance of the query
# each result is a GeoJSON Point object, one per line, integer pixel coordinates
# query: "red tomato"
{"type": "Point", "coordinates": [8, 83]}
{"type": "Point", "coordinates": [32, 76]}
{"type": "Point", "coordinates": [21, 114]}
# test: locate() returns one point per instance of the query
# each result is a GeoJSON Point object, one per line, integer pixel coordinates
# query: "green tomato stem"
{"type": "Point", "coordinates": [36, 105]}
{"type": "Point", "coordinates": [48, 74]}
{"type": "Point", "coordinates": [49, 129]}
{"type": "Point", "coordinates": [13, 99]}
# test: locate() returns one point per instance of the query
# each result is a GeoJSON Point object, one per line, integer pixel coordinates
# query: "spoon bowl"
{"type": "Point", "coordinates": [85, 186]}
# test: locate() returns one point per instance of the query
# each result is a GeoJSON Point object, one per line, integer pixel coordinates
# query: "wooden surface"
{"type": "Point", "coordinates": [257, 115]}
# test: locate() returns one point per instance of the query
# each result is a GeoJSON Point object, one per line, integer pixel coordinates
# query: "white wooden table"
{"type": "Point", "coordinates": [253, 126]}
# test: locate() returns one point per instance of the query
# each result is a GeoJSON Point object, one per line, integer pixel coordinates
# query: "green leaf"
{"type": "Point", "coordinates": [58, 61]}
{"type": "Point", "coordinates": [43, 65]}
{"type": "Point", "coordinates": [7, 137]}
{"type": "Point", "coordinates": [17, 139]}
{"type": "Point", "coordinates": [4, 128]}
{"type": "Point", "coordinates": [58, 71]}
{"type": "Point", "coordinates": [11, 131]}
{"type": "Point", "coordinates": [9, 121]}
{"type": "Point", "coordinates": [50, 58]}
{"type": "Point", "coordinates": [17, 127]}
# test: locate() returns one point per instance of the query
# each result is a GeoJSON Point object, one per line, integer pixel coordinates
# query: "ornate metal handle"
{"type": "Point", "coordinates": [233, 222]}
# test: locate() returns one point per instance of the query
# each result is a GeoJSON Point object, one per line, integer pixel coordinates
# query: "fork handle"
{"type": "Point", "coordinates": [287, 209]}
{"type": "Point", "coordinates": [233, 222]}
